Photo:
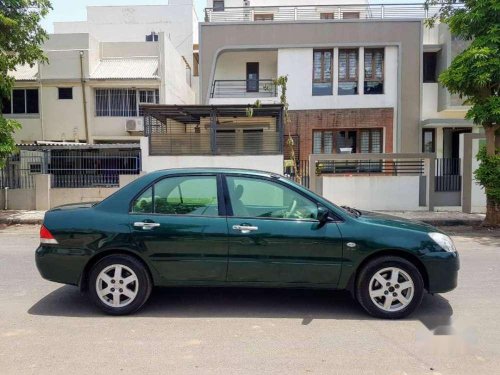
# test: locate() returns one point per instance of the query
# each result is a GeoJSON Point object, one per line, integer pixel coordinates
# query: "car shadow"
{"type": "Point", "coordinates": [435, 312]}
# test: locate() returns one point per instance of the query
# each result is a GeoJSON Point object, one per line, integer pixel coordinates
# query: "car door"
{"type": "Point", "coordinates": [180, 224]}
{"type": "Point", "coordinates": [275, 237]}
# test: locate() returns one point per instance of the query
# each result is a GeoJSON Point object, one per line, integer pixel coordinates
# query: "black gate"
{"type": "Point", "coordinates": [448, 175]}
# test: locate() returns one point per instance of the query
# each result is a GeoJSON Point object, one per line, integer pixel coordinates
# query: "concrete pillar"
{"type": "Point", "coordinates": [42, 192]}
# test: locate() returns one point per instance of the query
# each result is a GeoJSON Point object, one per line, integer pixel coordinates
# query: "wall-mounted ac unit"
{"type": "Point", "coordinates": [134, 125]}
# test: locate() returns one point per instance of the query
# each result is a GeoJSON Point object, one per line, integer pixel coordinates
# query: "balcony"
{"type": "Point", "coordinates": [213, 130]}
{"type": "Point", "coordinates": [264, 88]}
{"type": "Point", "coordinates": [321, 12]}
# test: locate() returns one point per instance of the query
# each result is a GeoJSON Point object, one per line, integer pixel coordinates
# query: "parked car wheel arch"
{"type": "Point", "coordinates": [97, 257]}
{"type": "Point", "coordinates": [353, 280]}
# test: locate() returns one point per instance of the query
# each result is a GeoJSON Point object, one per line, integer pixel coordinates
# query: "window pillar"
{"type": "Point", "coordinates": [335, 71]}
{"type": "Point", "coordinates": [361, 70]}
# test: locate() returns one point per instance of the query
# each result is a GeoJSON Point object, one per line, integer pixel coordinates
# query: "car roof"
{"type": "Point", "coordinates": [250, 172]}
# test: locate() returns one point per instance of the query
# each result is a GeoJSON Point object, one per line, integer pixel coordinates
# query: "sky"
{"type": "Point", "coordinates": [74, 10]}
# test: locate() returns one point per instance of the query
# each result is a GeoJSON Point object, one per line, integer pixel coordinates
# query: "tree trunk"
{"type": "Point", "coordinates": [492, 208]}
{"type": "Point", "coordinates": [490, 131]}
{"type": "Point", "coordinates": [492, 213]}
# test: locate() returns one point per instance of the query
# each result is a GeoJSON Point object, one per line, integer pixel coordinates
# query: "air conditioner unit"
{"type": "Point", "coordinates": [134, 125]}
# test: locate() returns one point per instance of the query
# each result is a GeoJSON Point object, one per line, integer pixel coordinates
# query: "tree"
{"type": "Point", "coordinates": [474, 75]}
{"type": "Point", "coordinates": [20, 38]}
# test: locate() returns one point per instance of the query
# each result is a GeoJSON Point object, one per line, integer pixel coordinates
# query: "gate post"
{"type": "Point", "coordinates": [42, 192]}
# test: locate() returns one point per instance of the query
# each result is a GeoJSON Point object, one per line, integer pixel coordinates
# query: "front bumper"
{"type": "Point", "coordinates": [442, 271]}
{"type": "Point", "coordinates": [61, 265]}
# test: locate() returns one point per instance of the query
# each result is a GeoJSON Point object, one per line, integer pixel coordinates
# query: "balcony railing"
{"type": "Point", "coordinates": [258, 143]}
{"type": "Point", "coordinates": [321, 12]}
{"type": "Point", "coordinates": [263, 88]}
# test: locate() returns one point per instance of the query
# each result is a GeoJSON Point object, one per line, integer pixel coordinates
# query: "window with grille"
{"type": "Point", "coordinates": [347, 141]}
{"type": "Point", "coordinates": [151, 96]}
{"type": "Point", "coordinates": [322, 72]}
{"type": "Point", "coordinates": [348, 71]}
{"type": "Point", "coordinates": [374, 71]}
{"type": "Point", "coordinates": [370, 141]}
{"type": "Point", "coordinates": [21, 101]}
{"type": "Point", "coordinates": [116, 102]}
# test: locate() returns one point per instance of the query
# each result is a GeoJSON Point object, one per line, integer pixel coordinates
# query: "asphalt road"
{"type": "Point", "coordinates": [47, 328]}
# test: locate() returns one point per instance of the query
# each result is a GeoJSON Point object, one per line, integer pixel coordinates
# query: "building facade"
{"type": "Point", "coordinates": [362, 78]}
{"type": "Point", "coordinates": [101, 70]}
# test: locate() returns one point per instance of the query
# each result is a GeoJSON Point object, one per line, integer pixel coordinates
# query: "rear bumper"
{"type": "Point", "coordinates": [442, 271]}
{"type": "Point", "coordinates": [61, 265]}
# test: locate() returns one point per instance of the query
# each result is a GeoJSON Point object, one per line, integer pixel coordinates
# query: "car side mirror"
{"type": "Point", "coordinates": [322, 215]}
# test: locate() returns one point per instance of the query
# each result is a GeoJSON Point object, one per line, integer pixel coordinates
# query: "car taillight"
{"type": "Point", "coordinates": [46, 237]}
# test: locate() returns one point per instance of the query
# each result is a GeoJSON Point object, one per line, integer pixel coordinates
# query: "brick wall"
{"type": "Point", "coordinates": [302, 123]}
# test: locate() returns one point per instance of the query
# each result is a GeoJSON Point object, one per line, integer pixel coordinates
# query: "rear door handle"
{"type": "Point", "coordinates": [146, 226]}
{"type": "Point", "coordinates": [245, 228]}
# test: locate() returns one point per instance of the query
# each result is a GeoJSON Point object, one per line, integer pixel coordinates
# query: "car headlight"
{"type": "Point", "coordinates": [444, 241]}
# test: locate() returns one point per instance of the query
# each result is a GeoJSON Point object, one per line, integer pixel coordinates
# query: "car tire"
{"type": "Point", "coordinates": [119, 284]}
{"type": "Point", "coordinates": [390, 287]}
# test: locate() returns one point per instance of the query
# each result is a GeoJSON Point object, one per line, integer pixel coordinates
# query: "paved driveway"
{"type": "Point", "coordinates": [47, 328]}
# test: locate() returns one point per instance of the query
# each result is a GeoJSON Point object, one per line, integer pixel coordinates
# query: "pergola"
{"type": "Point", "coordinates": [159, 120]}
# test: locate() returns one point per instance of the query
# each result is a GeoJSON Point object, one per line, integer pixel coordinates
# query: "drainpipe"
{"type": "Point", "coordinates": [84, 95]}
{"type": "Point", "coordinates": [42, 125]}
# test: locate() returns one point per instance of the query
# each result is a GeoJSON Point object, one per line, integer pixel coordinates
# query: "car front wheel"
{"type": "Point", "coordinates": [119, 284]}
{"type": "Point", "coordinates": [390, 287]}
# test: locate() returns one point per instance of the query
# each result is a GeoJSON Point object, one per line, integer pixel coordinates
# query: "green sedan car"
{"type": "Point", "coordinates": [230, 227]}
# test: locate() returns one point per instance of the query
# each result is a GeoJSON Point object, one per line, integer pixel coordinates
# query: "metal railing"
{"type": "Point", "coordinates": [85, 171]}
{"type": "Point", "coordinates": [368, 167]}
{"type": "Point", "coordinates": [243, 89]}
{"type": "Point", "coordinates": [321, 12]}
{"type": "Point", "coordinates": [448, 176]}
{"type": "Point", "coordinates": [20, 170]}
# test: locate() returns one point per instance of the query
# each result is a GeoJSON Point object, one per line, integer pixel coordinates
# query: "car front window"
{"type": "Point", "coordinates": [252, 197]}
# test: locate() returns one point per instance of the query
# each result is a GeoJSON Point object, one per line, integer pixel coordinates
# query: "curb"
{"type": "Point", "coordinates": [452, 222]}
{"type": "Point", "coordinates": [18, 221]}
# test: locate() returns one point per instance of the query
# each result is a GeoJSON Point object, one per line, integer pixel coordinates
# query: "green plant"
{"type": "Point", "coordinates": [20, 38]}
{"type": "Point", "coordinates": [488, 173]}
{"type": "Point", "coordinates": [474, 75]}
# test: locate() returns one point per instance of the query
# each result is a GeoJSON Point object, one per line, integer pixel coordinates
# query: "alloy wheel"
{"type": "Point", "coordinates": [391, 289]}
{"type": "Point", "coordinates": [117, 285]}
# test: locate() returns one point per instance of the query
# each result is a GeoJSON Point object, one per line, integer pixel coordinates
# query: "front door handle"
{"type": "Point", "coordinates": [245, 228]}
{"type": "Point", "coordinates": [146, 226]}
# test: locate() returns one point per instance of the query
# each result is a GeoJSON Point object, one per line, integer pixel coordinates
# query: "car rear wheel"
{"type": "Point", "coordinates": [119, 284]}
{"type": "Point", "coordinates": [390, 287]}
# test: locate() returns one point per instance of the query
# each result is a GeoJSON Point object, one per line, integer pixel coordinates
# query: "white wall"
{"type": "Point", "coordinates": [232, 65]}
{"type": "Point", "coordinates": [175, 88]}
{"type": "Point", "coordinates": [297, 64]}
{"type": "Point", "coordinates": [268, 163]}
{"type": "Point", "coordinates": [371, 192]}
{"type": "Point", "coordinates": [133, 23]}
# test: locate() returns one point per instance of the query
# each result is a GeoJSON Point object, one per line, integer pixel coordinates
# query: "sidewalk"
{"type": "Point", "coordinates": [433, 218]}
{"type": "Point", "coordinates": [440, 219]}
